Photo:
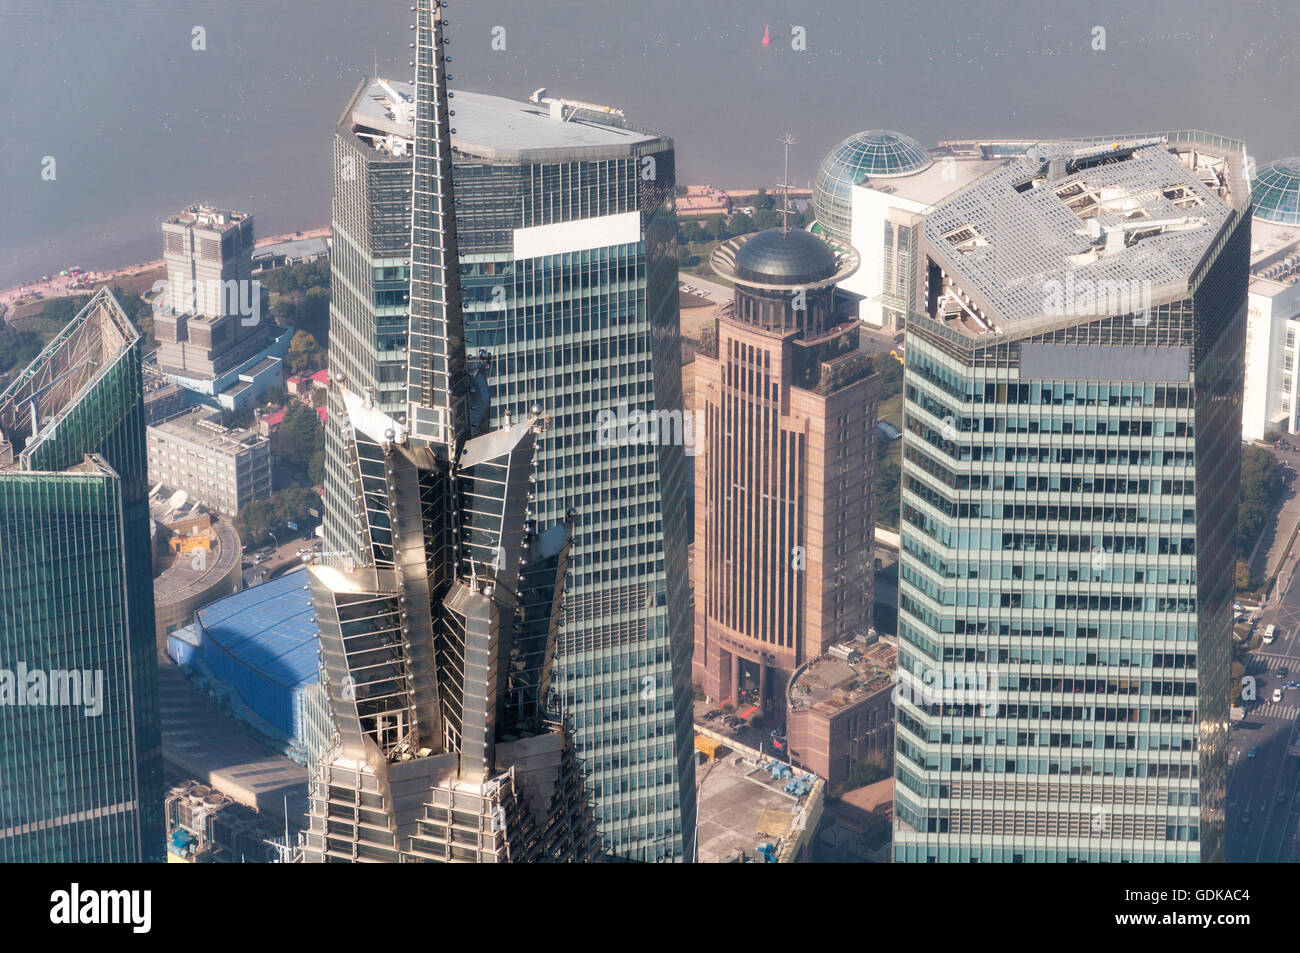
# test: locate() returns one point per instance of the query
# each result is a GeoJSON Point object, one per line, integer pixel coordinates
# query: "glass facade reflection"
{"type": "Point", "coordinates": [1067, 559]}
{"type": "Point", "coordinates": [588, 326]}
{"type": "Point", "coordinates": [80, 745]}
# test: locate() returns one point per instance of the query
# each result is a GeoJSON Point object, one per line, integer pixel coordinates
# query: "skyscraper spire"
{"type": "Point", "coordinates": [439, 675]}
{"type": "Point", "coordinates": [437, 384]}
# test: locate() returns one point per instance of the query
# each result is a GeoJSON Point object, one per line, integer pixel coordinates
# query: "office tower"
{"type": "Point", "coordinates": [80, 745]}
{"type": "Point", "coordinates": [784, 535]}
{"type": "Point", "coordinates": [438, 640]}
{"type": "Point", "coordinates": [205, 247]}
{"type": "Point", "coordinates": [1071, 463]}
{"type": "Point", "coordinates": [568, 277]}
{"type": "Point", "coordinates": [213, 333]}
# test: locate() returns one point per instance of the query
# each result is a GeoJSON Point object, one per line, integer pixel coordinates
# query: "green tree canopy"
{"type": "Point", "coordinates": [299, 435]}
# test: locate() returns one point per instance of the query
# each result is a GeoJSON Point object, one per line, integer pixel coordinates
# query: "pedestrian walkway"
{"type": "Point", "coordinates": [1271, 663]}
{"type": "Point", "coordinates": [1274, 710]}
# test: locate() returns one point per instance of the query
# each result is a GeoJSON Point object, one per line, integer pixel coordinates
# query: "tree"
{"type": "Point", "coordinates": [1243, 574]}
{"type": "Point", "coordinates": [765, 219]}
{"type": "Point", "coordinates": [17, 348]}
{"type": "Point", "coordinates": [237, 419]}
{"type": "Point", "coordinates": [691, 232]}
{"type": "Point", "coordinates": [258, 520]}
{"type": "Point", "coordinates": [275, 394]}
{"type": "Point", "coordinates": [316, 468]}
{"type": "Point", "coordinates": [299, 435]}
{"type": "Point", "coordinates": [717, 227]}
{"type": "Point", "coordinates": [888, 481]}
{"type": "Point", "coordinates": [1261, 487]}
{"type": "Point", "coordinates": [296, 278]}
{"type": "Point", "coordinates": [891, 378]}
{"type": "Point", "coordinates": [305, 355]}
{"type": "Point", "coordinates": [741, 224]}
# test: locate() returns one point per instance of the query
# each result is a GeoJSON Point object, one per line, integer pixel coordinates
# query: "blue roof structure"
{"type": "Point", "coordinates": [269, 628]}
{"type": "Point", "coordinates": [262, 642]}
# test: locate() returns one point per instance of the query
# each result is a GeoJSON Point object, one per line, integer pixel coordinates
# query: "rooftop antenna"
{"type": "Point", "coordinates": [788, 140]}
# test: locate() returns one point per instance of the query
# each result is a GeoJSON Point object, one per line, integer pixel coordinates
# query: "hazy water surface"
{"type": "Point", "coordinates": [140, 124]}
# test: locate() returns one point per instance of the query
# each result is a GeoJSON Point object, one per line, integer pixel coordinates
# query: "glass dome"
{"type": "Point", "coordinates": [1275, 192]}
{"type": "Point", "coordinates": [779, 257]}
{"type": "Point", "coordinates": [878, 153]}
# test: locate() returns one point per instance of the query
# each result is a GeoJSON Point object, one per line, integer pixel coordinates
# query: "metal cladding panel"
{"type": "Point", "coordinates": [482, 679]}
{"type": "Point", "coordinates": [411, 560]}
{"type": "Point", "coordinates": [342, 697]}
{"type": "Point", "coordinates": [1104, 363]}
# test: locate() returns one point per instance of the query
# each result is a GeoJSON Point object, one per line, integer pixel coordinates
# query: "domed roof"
{"type": "Point", "coordinates": [1275, 192]}
{"type": "Point", "coordinates": [878, 153]}
{"type": "Point", "coordinates": [780, 257]}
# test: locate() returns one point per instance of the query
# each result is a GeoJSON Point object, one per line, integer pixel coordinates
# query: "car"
{"type": "Point", "coordinates": [714, 713]}
{"type": "Point", "coordinates": [1245, 816]}
{"type": "Point", "coordinates": [1292, 685]}
{"type": "Point", "coordinates": [1283, 672]}
{"type": "Point", "coordinates": [1281, 797]}
{"type": "Point", "coordinates": [1277, 694]}
{"type": "Point", "coordinates": [1254, 750]}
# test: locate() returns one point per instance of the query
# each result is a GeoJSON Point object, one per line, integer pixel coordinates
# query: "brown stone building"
{"type": "Point", "coordinates": [784, 531]}
{"type": "Point", "coordinates": [840, 709]}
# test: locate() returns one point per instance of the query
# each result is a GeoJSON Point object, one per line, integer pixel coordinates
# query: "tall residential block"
{"type": "Point", "coordinates": [1071, 463]}
{"type": "Point", "coordinates": [214, 335]}
{"type": "Point", "coordinates": [568, 285]}
{"type": "Point", "coordinates": [784, 534]}
{"type": "Point", "coordinates": [80, 743]}
{"type": "Point", "coordinates": [438, 632]}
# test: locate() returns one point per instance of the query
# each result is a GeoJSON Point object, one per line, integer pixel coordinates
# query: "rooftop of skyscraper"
{"type": "Point", "coordinates": [1138, 210]}
{"type": "Point", "coordinates": [38, 397]}
{"type": "Point", "coordinates": [499, 128]}
{"type": "Point", "coordinates": [208, 217]}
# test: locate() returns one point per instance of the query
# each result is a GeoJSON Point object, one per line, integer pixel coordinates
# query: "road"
{"type": "Point", "coordinates": [1266, 784]}
{"type": "Point", "coordinates": [283, 554]}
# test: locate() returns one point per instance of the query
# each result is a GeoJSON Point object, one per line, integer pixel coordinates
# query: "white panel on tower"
{"type": "Point", "coordinates": [581, 235]}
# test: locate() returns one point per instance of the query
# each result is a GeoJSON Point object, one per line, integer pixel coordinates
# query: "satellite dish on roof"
{"type": "Point", "coordinates": [177, 500]}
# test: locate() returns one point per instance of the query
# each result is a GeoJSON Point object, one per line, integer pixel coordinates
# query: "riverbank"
{"type": "Point", "coordinates": [64, 286]}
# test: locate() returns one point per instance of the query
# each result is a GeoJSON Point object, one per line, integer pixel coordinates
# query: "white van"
{"type": "Point", "coordinates": [1277, 694]}
{"type": "Point", "coordinates": [1270, 634]}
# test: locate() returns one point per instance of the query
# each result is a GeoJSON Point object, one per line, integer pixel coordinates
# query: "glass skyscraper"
{"type": "Point", "coordinates": [80, 742]}
{"type": "Point", "coordinates": [1070, 476]}
{"type": "Point", "coordinates": [568, 272]}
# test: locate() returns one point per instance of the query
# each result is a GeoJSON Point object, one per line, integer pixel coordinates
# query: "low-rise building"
{"type": "Point", "coordinates": [840, 708]}
{"type": "Point", "coordinates": [1271, 398]}
{"type": "Point", "coordinates": [198, 559]}
{"type": "Point", "coordinates": [222, 468]}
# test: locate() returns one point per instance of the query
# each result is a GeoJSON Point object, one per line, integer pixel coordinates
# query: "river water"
{"type": "Point", "coordinates": [139, 123]}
